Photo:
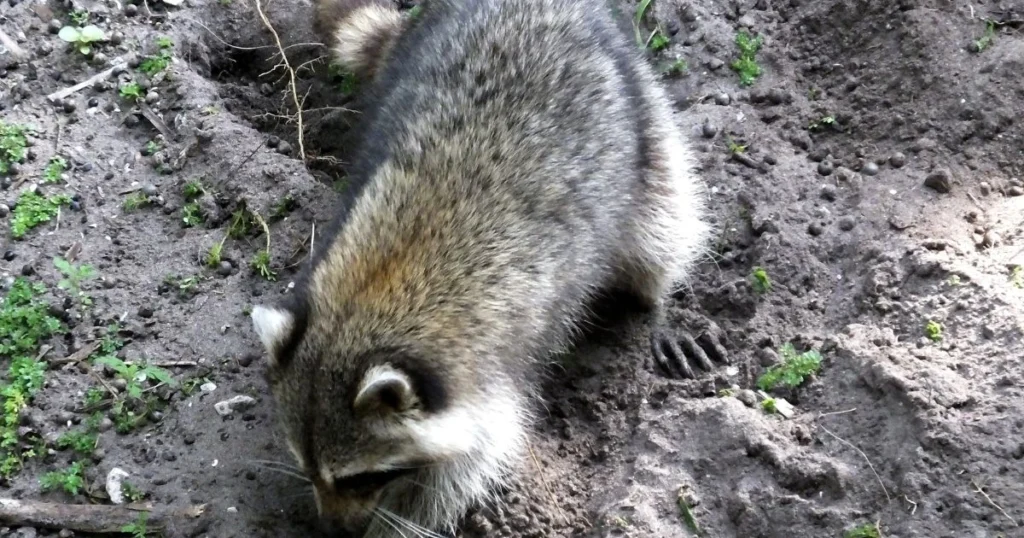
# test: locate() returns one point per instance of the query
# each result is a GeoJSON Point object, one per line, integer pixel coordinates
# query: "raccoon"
{"type": "Point", "coordinates": [516, 159]}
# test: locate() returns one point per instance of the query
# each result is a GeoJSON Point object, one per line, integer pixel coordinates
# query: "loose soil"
{"type": "Point", "coordinates": [879, 186]}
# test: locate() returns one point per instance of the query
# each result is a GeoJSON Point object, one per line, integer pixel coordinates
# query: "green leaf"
{"type": "Point", "coordinates": [85, 50]}
{"type": "Point", "coordinates": [161, 375]}
{"type": "Point", "coordinates": [93, 33]}
{"type": "Point", "coordinates": [69, 34]}
{"type": "Point", "coordinates": [62, 265]}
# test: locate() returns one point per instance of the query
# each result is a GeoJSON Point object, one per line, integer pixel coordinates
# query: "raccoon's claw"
{"type": "Point", "coordinates": [673, 354]}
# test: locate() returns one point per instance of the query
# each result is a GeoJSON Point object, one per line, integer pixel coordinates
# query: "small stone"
{"type": "Point", "coordinates": [985, 188]}
{"type": "Point", "coordinates": [939, 181]}
{"type": "Point", "coordinates": [828, 192]}
{"type": "Point", "coordinates": [988, 332]}
{"type": "Point", "coordinates": [66, 533]}
{"type": "Point", "coordinates": [284, 147]}
{"type": "Point", "coordinates": [770, 159]}
{"type": "Point", "coordinates": [54, 26]}
{"type": "Point", "coordinates": [709, 130]}
{"type": "Point", "coordinates": [991, 239]}
{"type": "Point", "coordinates": [25, 532]}
{"type": "Point", "coordinates": [131, 10]}
{"type": "Point", "coordinates": [722, 99]}
{"type": "Point", "coordinates": [897, 160]}
{"type": "Point", "coordinates": [869, 169]}
{"type": "Point", "coordinates": [145, 312]}
{"type": "Point", "coordinates": [114, 485]}
{"type": "Point", "coordinates": [815, 229]}
{"type": "Point", "coordinates": [105, 424]}
{"type": "Point", "coordinates": [28, 270]}
{"type": "Point", "coordinates": [9, 256]}
{"type": "Point", "coordinates": [208, 387]}
{"type": "Point", "coordinates": [120, 384]}
{"type": "Point", "coordinates": [747, 396]}
{"type": "Point", "coordinates": [847, 223]}
{"type": "Point", "coordinates": [715, 64]}
{"type": "Point", "coordinates": [69, 106]}
{"type": "Point", "coordinates": [225, 268]}
{"type": "Point", "coordinates": [825, 168]}
{"type": "Point", "coordinates": [150, 189]}
{"type": "Point", "coordinates": [238, 403]}
{"type": "Point", "coordinates": [94, 102]}
{"type": "Point", "coordinates": [1015, 191]}
{"type": "Point", "coordinates": [116, 38]}
{"type": "Point", "coordinates": [152, 97]}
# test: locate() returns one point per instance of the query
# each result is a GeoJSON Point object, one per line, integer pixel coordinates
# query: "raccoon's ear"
{"type": "Point", "coordinates": [384, 390]}
{"type": "Point", "coordinates": [274, 326]}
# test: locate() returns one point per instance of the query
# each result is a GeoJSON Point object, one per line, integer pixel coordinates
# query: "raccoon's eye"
{"type": "Point", "coordinates": [370, 481]}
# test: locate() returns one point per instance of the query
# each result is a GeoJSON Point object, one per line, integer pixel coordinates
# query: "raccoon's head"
{"type": "Point", "coordinates": [390, 437]}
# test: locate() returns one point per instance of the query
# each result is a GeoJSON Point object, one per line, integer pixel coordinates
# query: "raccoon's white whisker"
{"type": "Point", "coordinates": [285, 472]}
{"type": "Point", "coordinates": [419, 530]}
{"type": "Point", "coordinates": [384, 517]}
{"type": "Point", "coordinates": [276, 463]}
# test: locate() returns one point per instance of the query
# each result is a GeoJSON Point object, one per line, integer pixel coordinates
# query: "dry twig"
{"type": "Point", "coordinates": [90, 518]}
{"type": "Point", "coordinates": [291, 77]}
{"type": "Point", "coordinates": [61, 94]}
{"type": "Point", "coordinates": [977, 489]}
{"type": "Point", "coordinates": [863, 455]}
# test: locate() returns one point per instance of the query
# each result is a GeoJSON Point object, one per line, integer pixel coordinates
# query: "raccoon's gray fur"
{"type": "Point", "coordinates": [517, 158]}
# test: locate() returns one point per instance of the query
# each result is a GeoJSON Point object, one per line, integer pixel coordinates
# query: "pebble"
{"type": "Point", "coordinates": [815, 229]}
{"type": "Point", "coordinates": [715, 64]}
{"type": "Point", "coordinates": [284, 147]}
{"type": "Point", "coordinates": [825, 168]}
{"type": "Point", "coordinates": [985, 188]}
{"type": "Point", "coordinates": [152, 97]}
{"type": "Point", "coordinates": [54, 26]}
{"type": "Point", "coordinates": [847, 223]}
{"type": "Point", "coordinates": [150, 189]}
{"type": "Point", "coordinates": [709, 130]}
{"type": "Point", "coordinates": [145, 312]}
{"type": "Point", "coordinates": [69, 106]}
{"type": "Point", "coordinates": [939, 181]}
{"type": "Point", "coordinates": [131, 10]}
{"type": "Point", "coordinates": [25, 532]}
{"type": "Point", "coordinates": [208, 387]}
{"type": "Point", "coordinates": [114, 483]}
{"type": "Point", "coordinates": [105, 424]}
{"type": "Point", "coordinates": [4, 211]}
{"type": "Point", "coordinates": [66, 533]}
{"type": "Point", "coordinates": [9, 255]}
{"type": "Point", "coordinates": [1015, 191]}
{"type": "Point", "coordinates": [747, 396]}
{"type": "Point", "coordinates": [722, 99]}
{"type": "Point", "coordinates": [897, 160]}
{"type": "Point", "coordinates": [828, 192]}
{"type": "Point", "coordinates": [224, 269]}
{"type": "Point", "coordinates": [94, 102]}
{"type": "Point", "coordinates": [237, 403]}
{"type": "Point", "coordinates": [869, 169]}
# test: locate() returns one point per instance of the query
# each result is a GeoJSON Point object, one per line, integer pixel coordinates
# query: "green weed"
{"type": "Point", "coordinates": [770, 406]}
{"type": "Point", "coordinates": [795, 367]}
{"type": "Point", "coordinates": [82, 38]}
{"type": "Point", "coordinates": [985, 41]}
{"type": "Point", "coordinates": [284, 207]}
{"type": "Point", "coordinates": [638, 18]}
{"type": "Point", "coordinates": [760, 281]}
{"type": "Point", "coordinates": [867, 530]}
{"type": "Point", "coordinates": [70, 480]}
{"type": "Point", "coordinates": [13, 145]}
{"type": "Point", "coordinates": [131, 91]}
{"type": "Point", "coordinates": [658, 41]}
{"type": "Point", "coordinates": [137, 529]}
{"type": "Point", "coordinates": [674, 68]}
{"type": "Point", "coordinates": [954, 280]}
{"type": "Point", "coordinates": [192, 214]}
{"type": "Point", "coordinates": [746, 64]}
{"type": "Point", "coordinates": [25, 321]}
{"type": "Point", "coordinates": [74, 275]}
{"type": "Point", "coordinates": [260, 264]}
{"type": "Point", "coordinates": [54, 169]}
{"type": "Point", "coordinates": [735, 147]}
{"type": "Point", "coordinates": [32, 210]}
{"type": "Point", "coordinates": [687, 514]}
{"type": "Point", "coordinates": [186, 286]}
{"type": "Point", "coordinates": [151, 148]}
{"type": "Point", "coordinates": [193, 189]}
{"type": "Point", "coordinates": [132, 493]}
{"type": "Point", "coordinates": [213, 257]}
{"type": "Point", "coordinates": [933, 330]}
{"type": "Point", "coordinates": [134, 201]}
{"type": "Point", "coordinates": [818, 124]}
{"type": "Point", "coordinates": [79, 16]}
{"type": "Point", "coordinates": [152, 65]}
{"type": "Point", "coordinates": [242, 222]}
{"type": "Point", "coordinates": [82, 442]}
{"type": "Point", "coordinates": [1017, 277]}
{"type": "Point", "coordinates": [131, 406]}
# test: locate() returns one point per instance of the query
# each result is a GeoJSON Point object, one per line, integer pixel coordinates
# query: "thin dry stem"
{"type": "Point", "coordinates": [292, 83]}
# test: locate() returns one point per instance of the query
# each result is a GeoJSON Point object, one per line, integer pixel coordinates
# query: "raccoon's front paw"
{"type": "Point", "coordinates": [674, 351]}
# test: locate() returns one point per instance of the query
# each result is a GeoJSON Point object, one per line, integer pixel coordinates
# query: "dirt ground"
{"type": "Point", "coordinates": [880, 186]}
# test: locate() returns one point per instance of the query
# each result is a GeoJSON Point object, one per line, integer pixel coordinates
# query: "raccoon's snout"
{"type": "Point", "coordinates": [340, 516]}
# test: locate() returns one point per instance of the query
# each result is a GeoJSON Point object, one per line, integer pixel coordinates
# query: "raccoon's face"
{"type": "Point", "coordinates": [368, 427]}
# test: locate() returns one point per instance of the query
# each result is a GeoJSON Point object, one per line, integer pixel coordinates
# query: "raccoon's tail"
{"type": "Point", "coordinates": [360, 33]}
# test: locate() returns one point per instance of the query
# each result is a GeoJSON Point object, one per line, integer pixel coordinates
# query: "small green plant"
{"type": "Point", "coordinates": [284, 207]}
{"type": "Point", "coordinates": [132, 493]}
{"type": "Point", "coordinates": [193, 189]}
{"type": "Point", "coordinates": [82, 442]}
{"type": "Point", "coordinates": [25, 321]}
{"type": "Point", "coordinates": [82, 38]}
{"type": "Point", "coordinates": [152, 65]}
{"type": "Point", "coordinates": [151, 148]}
{"type": "Point", "coordinates": [347, 82]}
{"type": "Point", "coordinates": [760, 281]}
{"type": "Point", "coordinates": [74, 275]}
{"type": "Point", "coordinates": [746, 64]}
{"type": "Point", "coordinates": [242, 222]}
{"type": "Point", "coordinates": [770, 406]}
{"type": "Point", "coordinates": [867, 530]}
{"type": "Point", "coordinates": [954, 280]}
{"type": "Point", "coordinates": [985, 41]}
{"type": "Point", "coordinates": [186, 286]}
{"type": "Point", "coordinates": [933, 330]}
{"type": "Point", "coordinates": [735, 147]}
{"type": "Point", "coordinates": [1017, 277]}
{"type": "Point", "coordinates": [70, 480]}
{"type": "Point", "coordinates": [686, 512]}
{"type": "Point", "coordinates": [658, 41]}
{"type": "Point", "coordinates": [726, 393]}
{"type": "Point", "coordinates": [213, 257]}
{"type": "Point", "coordinates": [818, 124]}
{"type": "Point", "coordinates": [260, 264]}
{"type": "Point", "coordinates": [791, 372]}
{"type": "Point", "coordinates": [131, 91]}
{"type": "Point", "coordinates": [131, 406]}
{"type": "Point", "coordinates": [54, 169]}
{"type": "Point", "coordinates": [674, 68]}
{"type": "Point", "coordinates": [138, 529]}
{"type": "Point", "coordinates": [192, 214]}
{"type": "Point", "coordinates": [134, 201]}
{"type": "Point", "coordinates": [641, 10]}
{"type": "Point", "coordinates": [80, 17]}
{"type": "Point", "coordinates": [13, 145]}
{"type": "Point", "coordinates": [33, 209]}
